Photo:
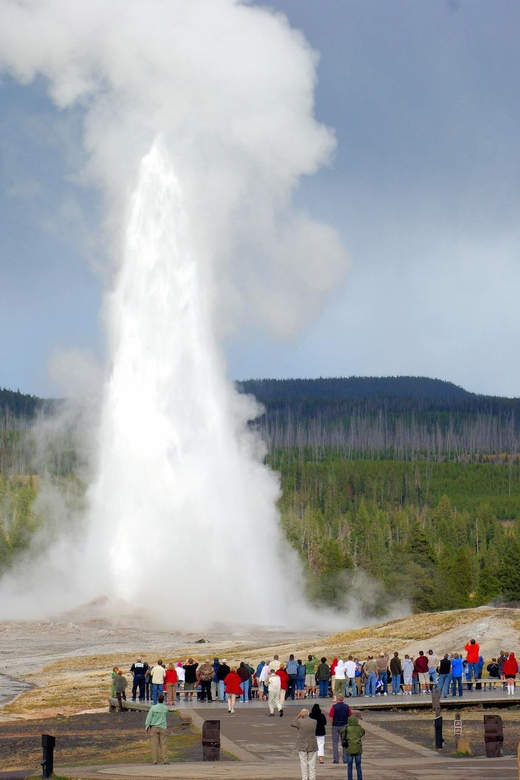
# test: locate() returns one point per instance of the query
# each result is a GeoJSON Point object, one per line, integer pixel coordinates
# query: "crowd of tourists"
{"type": "Point", "coordinates": [275, 680]}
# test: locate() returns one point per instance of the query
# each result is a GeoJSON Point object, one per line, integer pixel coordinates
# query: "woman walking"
{"type": "Point", "coordinates": [233, 688]}
{"type": "Point", "coordinates": [354, 734]}
{"type": "Point", "coordinates": [321, 722]}
{"type": "Point", "coordinates": [306, 744]}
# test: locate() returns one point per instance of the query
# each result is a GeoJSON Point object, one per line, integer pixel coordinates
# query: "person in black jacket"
{"type": "Point", "coordinates": [222, 672]}
{"type": "Point", "coordinates": [321, 723]}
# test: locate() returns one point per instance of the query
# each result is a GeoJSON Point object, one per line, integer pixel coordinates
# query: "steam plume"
{"type": "Point", "coordinates": [198, 123]}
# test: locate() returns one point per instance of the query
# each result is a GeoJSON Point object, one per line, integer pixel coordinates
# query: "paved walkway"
{"type": "Point", "coordinates": [265, 749]}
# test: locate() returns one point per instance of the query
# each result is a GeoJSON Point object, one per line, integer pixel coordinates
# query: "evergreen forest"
{"type": "Point", "coordinates": [392, 489]}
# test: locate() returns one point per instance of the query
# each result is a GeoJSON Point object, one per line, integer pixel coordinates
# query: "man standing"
{"type": "Point", "coordinates": [339, 714]}
{"type": "Point", "coordinates": [205, 675]}
{"type": "Point", "coordinates": [291, 668]}
{"type": "Point", "coordinates": [350, 676]}
{"type": "Point", "coordinates": [472, 653]}
{"type": "Point", "coordinates": [397, 671]}
{"type": "Point", "coordinates": [156, 727]}
{"type": "Point", "coordinates": [421, 664]}
{"type": "Point", "coordinates": [222, 672]}
{"type": "Point", "coordinates": [138, 670]}
{"type": "Point", "coordinates": [443, 683]}
{"type": "Point", "coordinates": [310, 675]}
{"type": "Point", "coordinates": [157, 677]}
{"type": "Point", "coordinates": [382, 672]}
{"type": "Point", "coordinates": [370, 670]}
{"type": "Point", "coordinates": [433, 663]}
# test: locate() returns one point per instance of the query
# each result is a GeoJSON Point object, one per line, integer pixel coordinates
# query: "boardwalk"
{"type": "Point", "coordinates": [265, 749]}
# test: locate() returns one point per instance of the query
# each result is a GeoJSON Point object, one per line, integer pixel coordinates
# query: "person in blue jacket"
{"type": "Point", "coordinates": [456, 674]}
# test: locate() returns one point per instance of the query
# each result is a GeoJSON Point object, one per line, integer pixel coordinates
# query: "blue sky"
{"type": "Point", "coordinates": [424, 189]}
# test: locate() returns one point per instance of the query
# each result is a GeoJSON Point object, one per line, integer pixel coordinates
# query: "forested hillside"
{"type": "Point", "coordinates": [392, 489]}
{"type": "Point", "coordinates": [393, 417]}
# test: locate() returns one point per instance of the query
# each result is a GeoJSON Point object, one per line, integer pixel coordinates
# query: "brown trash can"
{"type": "Point", "coordinates": [493, 736]}
{"type": "Point", "coordinates": [211, 740]}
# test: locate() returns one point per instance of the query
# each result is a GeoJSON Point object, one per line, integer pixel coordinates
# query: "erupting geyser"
{"type": "Point", "coordinates": [197, 124]}
{"type": "Point", "coordinates": [182, 500]}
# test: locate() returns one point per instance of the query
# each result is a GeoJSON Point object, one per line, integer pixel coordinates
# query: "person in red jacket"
{"type": "Point", "coordinates": [233, 688]}
{"type": "Point", "coordinates": [284, 682]}
{"type": "Point", "coordinates": [510, 671]}
{"type": "Point", "coordinates": [170, 684]}
{"type": "Point", "coordinates": [472, 653]}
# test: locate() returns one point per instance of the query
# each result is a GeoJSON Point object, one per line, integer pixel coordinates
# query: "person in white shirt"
{"type": "Point", "coordinates": [350, 676]}
{"type": "Point", "coordinates": [274, 686]}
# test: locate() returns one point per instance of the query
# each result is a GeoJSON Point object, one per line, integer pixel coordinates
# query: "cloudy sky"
{"type": "Point", "coordinates": [424, 189]}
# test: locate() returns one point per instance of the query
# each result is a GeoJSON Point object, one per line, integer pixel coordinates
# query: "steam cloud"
{"type": "Point", "coordinates": [198, 124]}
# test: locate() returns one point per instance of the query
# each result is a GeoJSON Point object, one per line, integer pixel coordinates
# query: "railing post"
{"type": "Point", "coordinates": [48, 743]}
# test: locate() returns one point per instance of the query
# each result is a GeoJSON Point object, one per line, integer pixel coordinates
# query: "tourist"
{"type": "Point", "coordinates": [180, 677]}
{"type": "Point", "coordinates": [233, 687]}
{"type": "Point", "coordinates": [321, 726]}
{"type": "Point", "coordinates": [382, 672]}
{"type": "Point", "coordinates": [190, 677]}
{"type": "Point", "coordinates": [310, 675]}
{"type": "Point", "coordinates": [510, 672]}
{"type": "Point", "coordinates": [138, 671]}
{"type": "Point", "coordinates": [148, 684]}
{"type": "Point", "coordinates": [284, 682]}
{"type": "Point", "coordinates": [245, 676]}
{"type": "Point", "coordinates": [456, 674]}
{"type": "Point", "coordinates": [214, 679]}
{"type": "Point", "coordinates": [360, 676]}
{"type": "Point", "coordinates": [370, 670]}
{"type": "Point", "coordinates": [306, 744]}
{"type": "Point", "coordinates": [350, 677]}
{"type": "Point", "coordinates": [472, 653]}
{"type": "Point", "coordinates": [323, 677]}
{"type": "Point", "coordinates": [339, 714]}
{"type": "Point", "coordinates": [300, 680]}
{"type": "Point", "coordinates": [170, 681]}
{"type": "Point", "coordinates": [339, 678]}
{"type": "Point", "coordinates": [113, 676]}
{"type": "Point", "coordinates": [397, 670]}
{"type": "Point", "coordinates": [264, 675]}
{"type": "Point", "coordinates": [433, 663]}
{"type": "Point", "coordinates": [291, 667]}
{"type": "Point", "coordinates": [222, 672]}
{"type": "Point", "coordinates": [493, 670]}
{"type": "Point", "coordinates": [204, 676]}
{"type": "Point", "coordinates": [120, 684]}
{"type": "Point", "coordinates": [275, 663]}
{"type": "Point", "coordinates": [157, 678]}
{"type": "Point", "coordinates": [421, 662]}
{"type": "Point", "coordinates": [352, 734]}
{"type": "Point", "coordinates": [156, 725]}
{"type": "Point", "coordinates": [502, 658]}
{"type": "Point", "coordinates": [443, 683]}
{"type": "Point", "coordinates": [407, 675]}
{"type": "Point", "coordinates": [274, 686]}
